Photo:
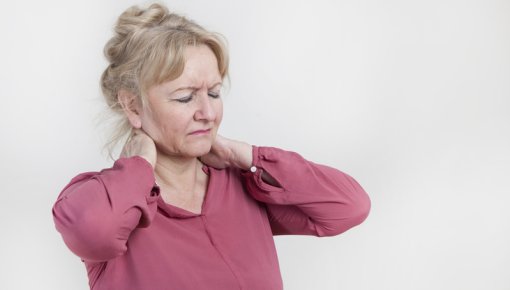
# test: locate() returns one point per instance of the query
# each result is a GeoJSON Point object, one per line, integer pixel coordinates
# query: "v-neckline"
{"type": "Point", "coordinates": [174, 211]}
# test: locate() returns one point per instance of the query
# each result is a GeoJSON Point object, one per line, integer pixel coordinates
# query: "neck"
{"type": "Point", "coordinates": [177, 173]}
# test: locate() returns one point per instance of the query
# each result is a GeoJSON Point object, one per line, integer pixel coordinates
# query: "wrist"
{"type": "Point", "coordinates": [241, 155]}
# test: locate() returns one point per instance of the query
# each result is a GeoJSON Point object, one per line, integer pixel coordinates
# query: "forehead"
{"type": "Point", "coordinates": [200, 68]}
{"type": "Point", "coordinates": [200, 71]}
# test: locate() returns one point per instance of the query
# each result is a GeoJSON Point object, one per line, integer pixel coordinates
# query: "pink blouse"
{"type": "Point", "coordinates": [129, 238]}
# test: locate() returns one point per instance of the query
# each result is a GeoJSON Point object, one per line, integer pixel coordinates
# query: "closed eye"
{"type": "Point", "coordinates": [185, 99]}
{"type": "Point", "coordinates": [214, 95]}
{"type": "Point", "coordinates": [189, 98]}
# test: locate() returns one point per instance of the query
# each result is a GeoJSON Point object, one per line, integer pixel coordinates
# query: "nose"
{"type": "Point", "coordinates": [205, 110]}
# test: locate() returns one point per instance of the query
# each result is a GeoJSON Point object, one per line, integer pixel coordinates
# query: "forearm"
{"type": "Point", "coordinates": [97, 211]}
{"type": "Point", "coordinates": [239, 154]}
{"type": "Point", "coordinates": [308, 198]}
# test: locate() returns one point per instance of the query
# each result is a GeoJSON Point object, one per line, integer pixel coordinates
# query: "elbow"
{"type": "Point", "coordinates": [347, 215]}
{"type": "Point", "coordinates": [91, 237]}
{"type": "Point", "coordinates": [360, 208]}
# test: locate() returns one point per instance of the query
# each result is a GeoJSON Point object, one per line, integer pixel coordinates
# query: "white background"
{"type": "Point", "coordinates": [412, 98]}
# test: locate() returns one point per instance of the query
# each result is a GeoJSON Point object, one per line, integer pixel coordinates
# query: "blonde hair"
{"type": "Point", "coordinates": [147, 49]}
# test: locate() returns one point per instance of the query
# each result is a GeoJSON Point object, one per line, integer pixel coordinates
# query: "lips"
{"type": "Point", "coordinates": [200, 132]}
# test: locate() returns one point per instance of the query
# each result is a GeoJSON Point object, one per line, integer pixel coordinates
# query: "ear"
{"type": "Point", "coordinates": [130, 104]}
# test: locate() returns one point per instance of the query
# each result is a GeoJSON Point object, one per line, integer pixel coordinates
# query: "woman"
{"type": "Point", "coordinates": [184, 208]}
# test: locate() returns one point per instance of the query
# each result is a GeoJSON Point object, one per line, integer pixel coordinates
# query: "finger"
{"type": "Point", "coordinates": [139, 131]}
{"type": "Point", "coordinates": [129, 138]}
{"type": "Point", "coordinates": [123, 152]}
{"type": "Point", "coordinates": [135, 131]}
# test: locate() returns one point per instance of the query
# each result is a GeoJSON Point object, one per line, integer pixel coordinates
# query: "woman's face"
{"type": "Point", "coordinates": [182, 116]}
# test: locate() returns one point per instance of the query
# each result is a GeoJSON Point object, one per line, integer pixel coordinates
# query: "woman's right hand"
{"type": "Point", "coordinates": [140, 144]}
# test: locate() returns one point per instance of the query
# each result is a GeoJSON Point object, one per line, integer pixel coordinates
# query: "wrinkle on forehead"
{"type": "Point", "coordinates": [200, 72]}
{"type": "Point", "coordinates": [201, 68]}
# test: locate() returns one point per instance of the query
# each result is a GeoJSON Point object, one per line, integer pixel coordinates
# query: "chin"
{"type": "Point", "coordinates": [193, 150]}
{"type": "Point", "coordinates": [198, 150]}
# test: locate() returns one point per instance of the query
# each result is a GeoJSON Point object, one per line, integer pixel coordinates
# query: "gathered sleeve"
{"type": "Point", "coordinates": [309, 199]}
{"type": "Point", "coordinates": [97, 211]}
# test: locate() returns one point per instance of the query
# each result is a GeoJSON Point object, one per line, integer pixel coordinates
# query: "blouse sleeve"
{"type": "Point", "coordinates": [97, 211]}
{"type": "Point", "coordinates": [310, 199]}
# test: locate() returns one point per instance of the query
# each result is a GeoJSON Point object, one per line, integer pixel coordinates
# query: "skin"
{"type": "Point", "coordinates": [177, 130]}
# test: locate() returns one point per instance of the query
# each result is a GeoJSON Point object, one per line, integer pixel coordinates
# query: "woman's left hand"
{"type": "Point", "coordinates": [227, 152]}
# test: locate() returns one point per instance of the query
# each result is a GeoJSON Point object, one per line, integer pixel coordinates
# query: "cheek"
{"type": "Point", "coordinates": [174, 123]}
{"type": "Point", "coordinates": [158, 125]}
{"type": "Point", "coordinates": [219, 112]}
{"type": "Point", "coordinates": [168, 127]}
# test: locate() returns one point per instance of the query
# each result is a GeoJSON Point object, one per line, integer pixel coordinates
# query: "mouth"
{"type": "Point", "coordinates": [200, 132]}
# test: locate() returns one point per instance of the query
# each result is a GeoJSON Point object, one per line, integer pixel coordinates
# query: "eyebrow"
{"type": "Point", "coordinates": [193, 88]}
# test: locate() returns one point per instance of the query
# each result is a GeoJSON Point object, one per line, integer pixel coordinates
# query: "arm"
{"type": "Point", "coordinates": [96, 212]}
{"type": "Point", "coordinates": [303, 197]}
